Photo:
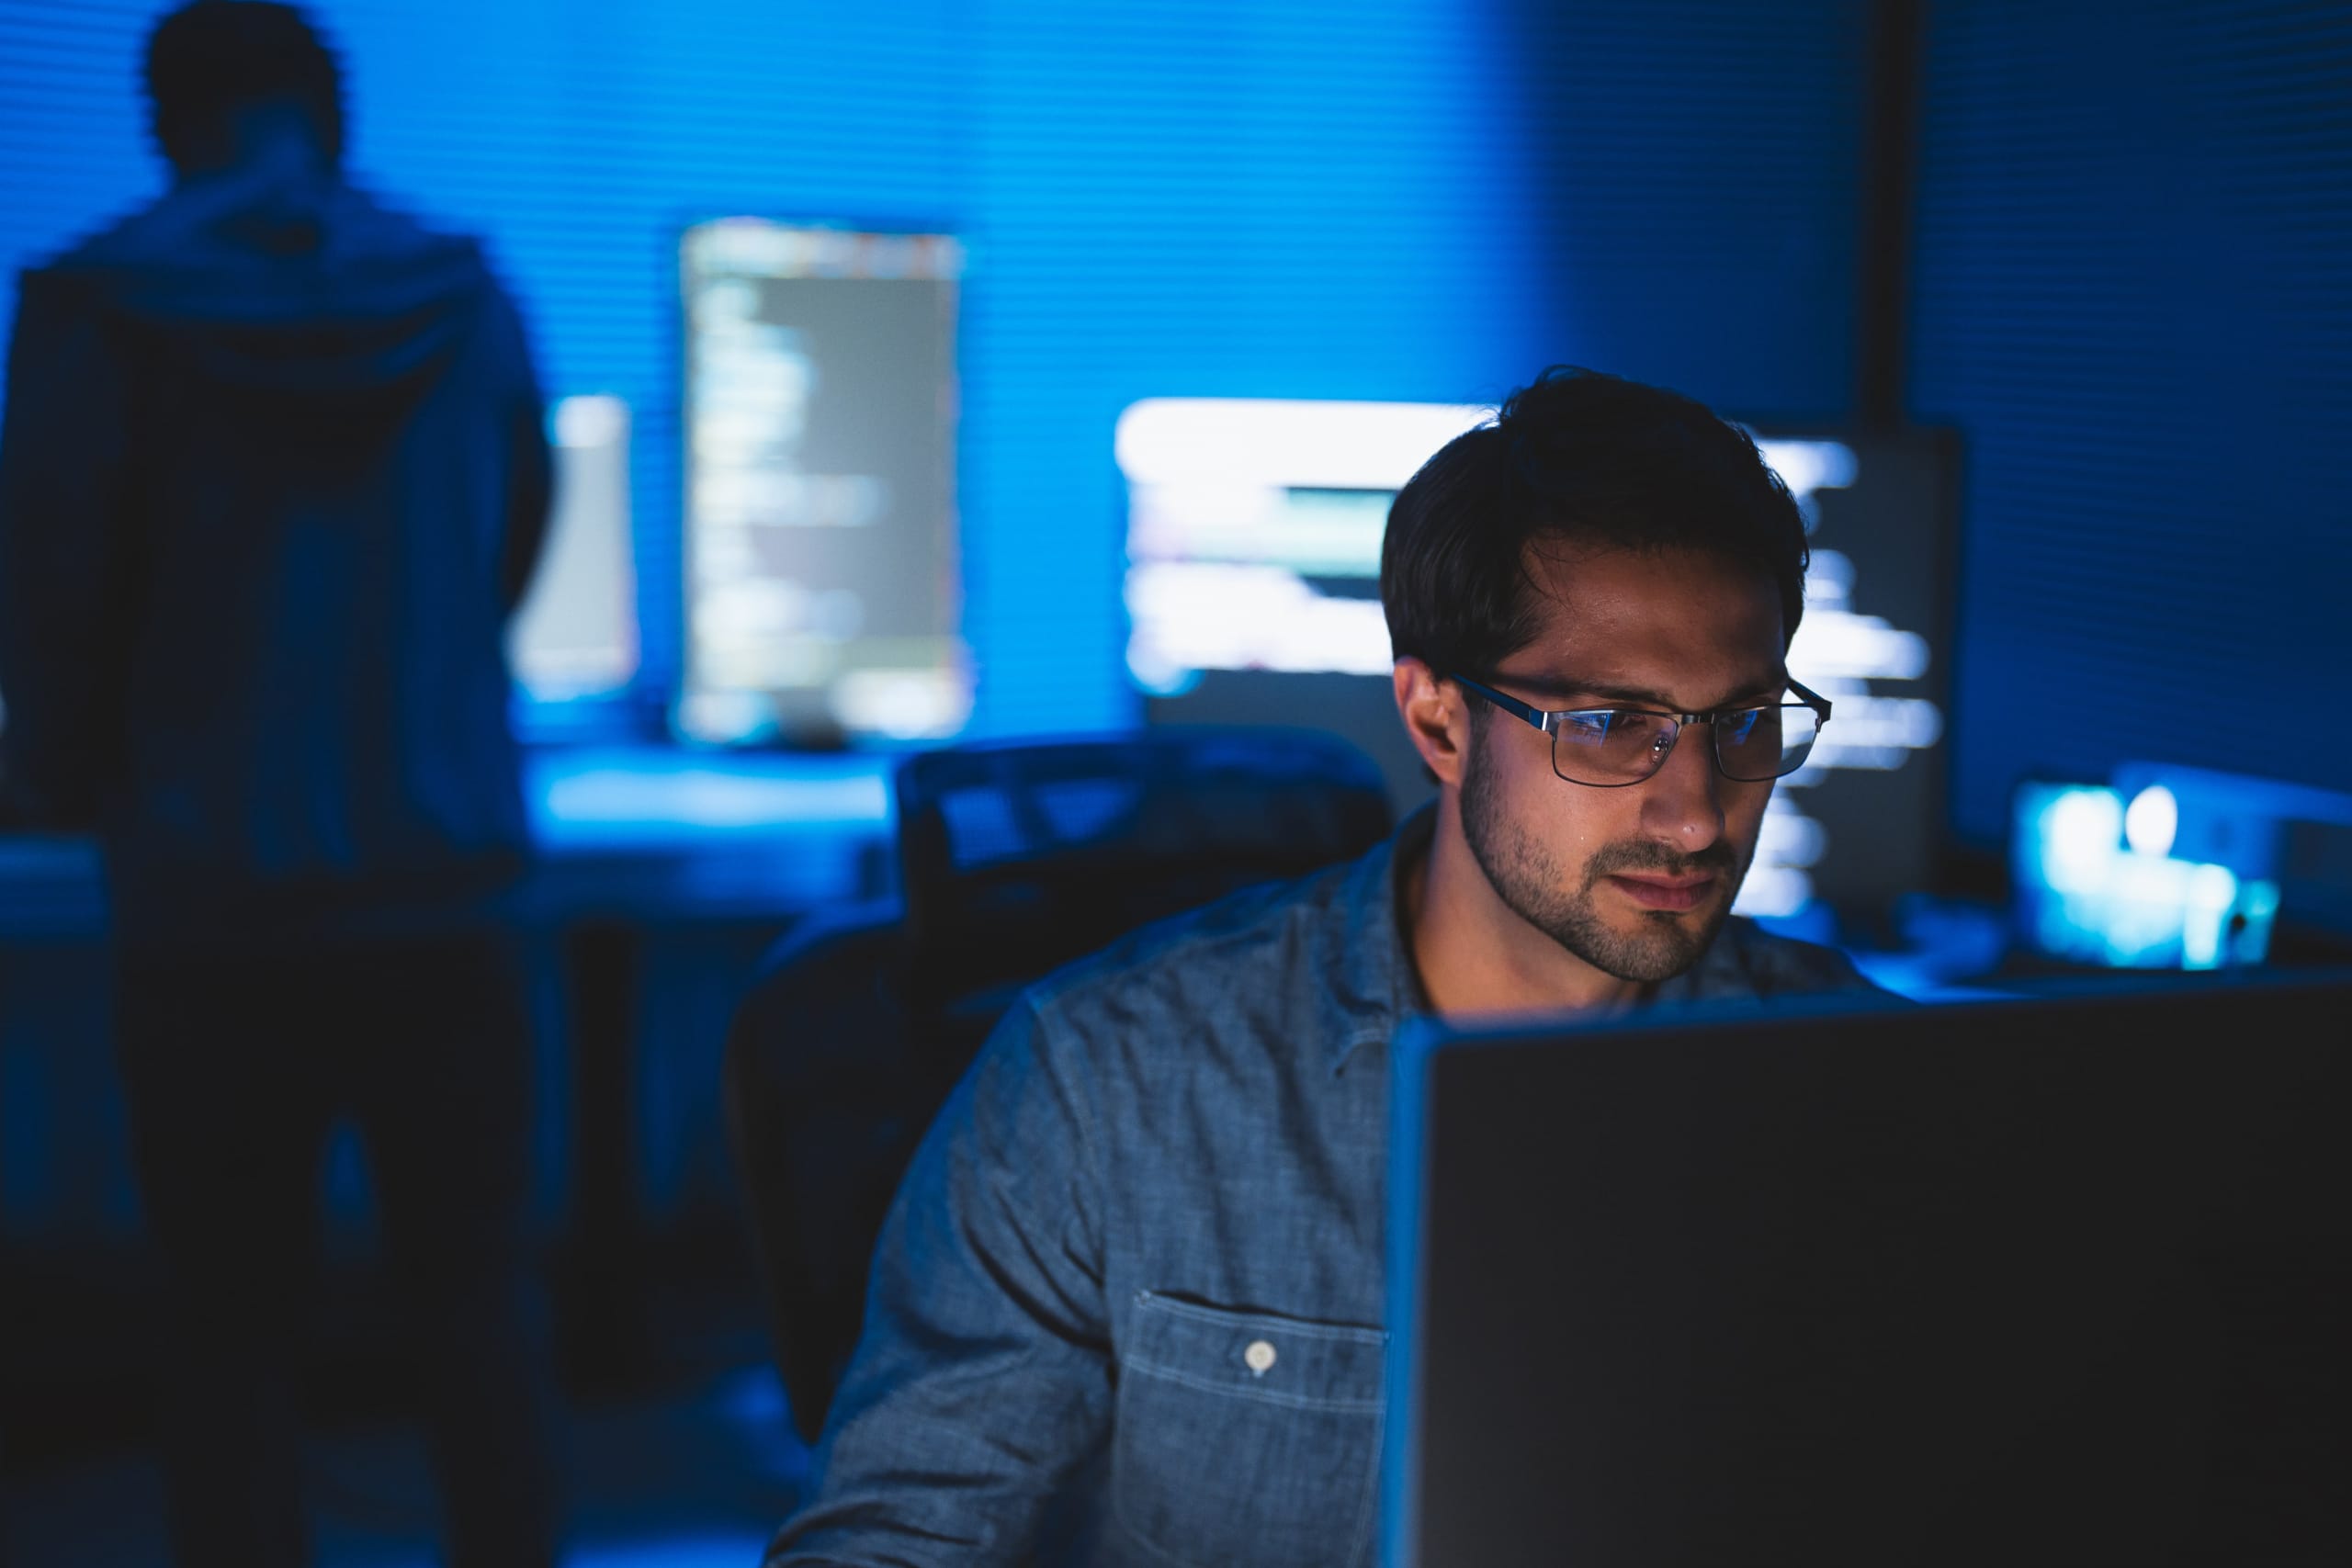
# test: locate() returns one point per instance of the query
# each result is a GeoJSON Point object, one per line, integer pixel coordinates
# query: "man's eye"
{"type": "Point", "coordinates": [1590, 727]}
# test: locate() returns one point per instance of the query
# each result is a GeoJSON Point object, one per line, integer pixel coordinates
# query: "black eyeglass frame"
{"type": "Point", "coordinates": [1549, 720]}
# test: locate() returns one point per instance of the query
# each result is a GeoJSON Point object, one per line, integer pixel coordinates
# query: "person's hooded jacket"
{"type": "Point", "coordinates": [273, 475]}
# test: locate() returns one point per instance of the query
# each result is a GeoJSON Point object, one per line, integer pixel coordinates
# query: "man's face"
{"type": "Point", "coordinates": [1634, 880]}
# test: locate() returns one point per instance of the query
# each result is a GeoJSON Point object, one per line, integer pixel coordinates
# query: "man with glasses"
{"type": "Point", "coordinates": [1128, 1307]}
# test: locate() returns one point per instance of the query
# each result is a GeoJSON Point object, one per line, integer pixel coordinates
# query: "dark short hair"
{"type": "Point", "coordinates": [206, 61]}
{"type": "Point", "coordinates": [1575, 456]}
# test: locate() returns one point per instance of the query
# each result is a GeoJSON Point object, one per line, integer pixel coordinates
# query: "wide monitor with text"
{"type": "Point", "coordinates": [1253, 594]}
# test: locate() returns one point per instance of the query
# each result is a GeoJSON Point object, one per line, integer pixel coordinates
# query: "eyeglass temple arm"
{"type": "Point", "coordinates": [1509, 705]}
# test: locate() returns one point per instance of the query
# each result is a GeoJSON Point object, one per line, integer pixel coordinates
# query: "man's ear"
{"type": "Point", "coordinates": [1436, 717]}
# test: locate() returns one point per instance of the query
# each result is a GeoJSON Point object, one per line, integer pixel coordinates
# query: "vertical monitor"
{"type": "Point", "coordinates": [574, 638]}
{"type": "Point", "coordinates": [821, 579]}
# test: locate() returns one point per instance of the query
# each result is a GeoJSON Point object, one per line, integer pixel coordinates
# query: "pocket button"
{"type": "Point", "coordinates": [1259, 1358]}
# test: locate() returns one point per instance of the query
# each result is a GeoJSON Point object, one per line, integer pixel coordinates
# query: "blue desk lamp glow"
{"type": "Point", "coordinates": [2096, 882]}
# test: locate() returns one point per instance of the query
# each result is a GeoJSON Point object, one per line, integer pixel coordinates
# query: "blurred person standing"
{"type": "Point", "coordinates": [273, 475]}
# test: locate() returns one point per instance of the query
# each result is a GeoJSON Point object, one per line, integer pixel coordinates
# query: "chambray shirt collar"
{"type": "Point", "coordinates": [1374, 987]}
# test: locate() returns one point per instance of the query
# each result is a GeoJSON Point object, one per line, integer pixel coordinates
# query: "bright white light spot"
{"type": "Point", "coordinates": [1773, 890]}
{"type": "Point", "coordinates": [2151, 821]}
{"type": "Point", "coordinates": [904, 704]}
{"type": "Point", "coordinates": [2079, 836]}
{"type": "Point", "coordinates": [1892, 723]}
{"type": "Point", "coordinates": [1325, 532]}
{"type": "Point", "coordinates": [2211, 890]}
{"type": "Point", "coordinates": [2213, 887]}
{"type": "Point", "coordinates": [1206, 615]}
{"type": "Point", "coordinates": [760, 246]}
{"type": "Point", "coordinates": [1808, 466]}
{"type": "Point", "coordinates": [1831, 643]}
{"type": "Point", "coordinates": [1828, 581]}
{"type": "Point", "coordinates": [1283, 441]}
{"type": "Point", "coordinates": [725, 719]}
{"type": "Point", "coordinates": [590, 421]}
{"type": "Point", "coordinates": [1788, 837]}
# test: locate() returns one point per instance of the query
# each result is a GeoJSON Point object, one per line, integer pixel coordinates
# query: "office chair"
{"type": "Point", "coordinates": [1013, 860]}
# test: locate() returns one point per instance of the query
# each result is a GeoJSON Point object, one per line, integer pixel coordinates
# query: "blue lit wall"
{"type": "Point", "coordinates": [1367, 198]}
{"type": "Point", "coordinates": [2133, 296]}
{"type": "Point", "coordinates": [1697, 169]}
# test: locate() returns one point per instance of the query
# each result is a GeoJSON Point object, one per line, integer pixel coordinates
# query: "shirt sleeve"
{"type": "Point", "coordinates": [983, 1378]}
{"type": "Point", "coordinates": [63, 488]}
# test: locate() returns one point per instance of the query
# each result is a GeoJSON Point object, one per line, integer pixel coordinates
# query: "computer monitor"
{"type": "Point", "coordinates": [1253, 594]}
{"type": "Point", "coordinates": [821, 578]}
{"type": "Point", "coordinates": [2051, 1281]}
{"type": "Point", "coordinates": [1865, 820]}
{"type": "Point", "coordinates": [574, 638]}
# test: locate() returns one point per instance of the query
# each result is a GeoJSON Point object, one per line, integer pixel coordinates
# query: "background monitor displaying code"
{"type": "Point", "coordinates": [1866, 819]}
{"type": "Point", "coordinates": [821, 579]}
{"type": "Point", "coordinates": [1253, 596]}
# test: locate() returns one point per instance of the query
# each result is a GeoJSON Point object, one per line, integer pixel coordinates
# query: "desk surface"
{"type": "Point", "coordinates": [624, 832]}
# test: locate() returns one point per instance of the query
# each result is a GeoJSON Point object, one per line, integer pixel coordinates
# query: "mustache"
{"type": "Point", "coordinates": [1658, 860]}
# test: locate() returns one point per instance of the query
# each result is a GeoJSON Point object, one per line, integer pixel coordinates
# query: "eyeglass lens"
{"type": "Point", "coordinates": [1612, 747]}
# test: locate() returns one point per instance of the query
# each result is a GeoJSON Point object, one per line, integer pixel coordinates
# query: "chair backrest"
{"type": "Point", "coordinates": [1015, 859]}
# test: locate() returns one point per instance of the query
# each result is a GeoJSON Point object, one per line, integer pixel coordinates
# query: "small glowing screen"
{"type": "Point", "coordinates": [574, 637]}
{"type": "Point", "coordinates": [2096, 883]}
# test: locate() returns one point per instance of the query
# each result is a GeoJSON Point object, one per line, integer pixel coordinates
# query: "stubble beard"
{"type": "Point", "coordinates": [1534, 885]}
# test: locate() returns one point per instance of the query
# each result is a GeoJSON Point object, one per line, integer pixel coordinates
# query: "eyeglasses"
{"type": "Point", "coordinates": [1611, 747]}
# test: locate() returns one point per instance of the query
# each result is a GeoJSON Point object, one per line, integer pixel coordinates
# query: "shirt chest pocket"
{"type": "Point", "coordinates": [1247, 1438]}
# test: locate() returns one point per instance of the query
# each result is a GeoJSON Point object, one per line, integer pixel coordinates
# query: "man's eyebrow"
{"type": "Point", "coordinates": [1552, 689]}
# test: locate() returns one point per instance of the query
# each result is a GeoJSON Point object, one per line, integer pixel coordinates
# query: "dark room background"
{"type": "Point", "coordinates": [2107, 245]}
{"type": "Point", "coordinates": [2127, 278]}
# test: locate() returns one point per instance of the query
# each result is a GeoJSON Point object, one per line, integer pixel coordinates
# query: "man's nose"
{"type": "Point", "coordinates": [1683, 802]}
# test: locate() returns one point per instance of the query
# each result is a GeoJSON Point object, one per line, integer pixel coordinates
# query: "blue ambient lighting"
{"type": "Point", "coordinates": [2086, 893]}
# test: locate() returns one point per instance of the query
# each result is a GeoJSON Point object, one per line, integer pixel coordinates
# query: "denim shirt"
{"type": "Point", "coordinates": [1127, 1309]}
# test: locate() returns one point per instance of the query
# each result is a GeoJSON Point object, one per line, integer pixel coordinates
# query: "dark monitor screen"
{"type": "Point", "coordinates": [2036, 1282]}
{"type": "Point", "coordinates": [821, 574]}
{"type": "Point", "coordinates": [1865, 820]}
{"type": "Point", "coordinates": [1254, 531]}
